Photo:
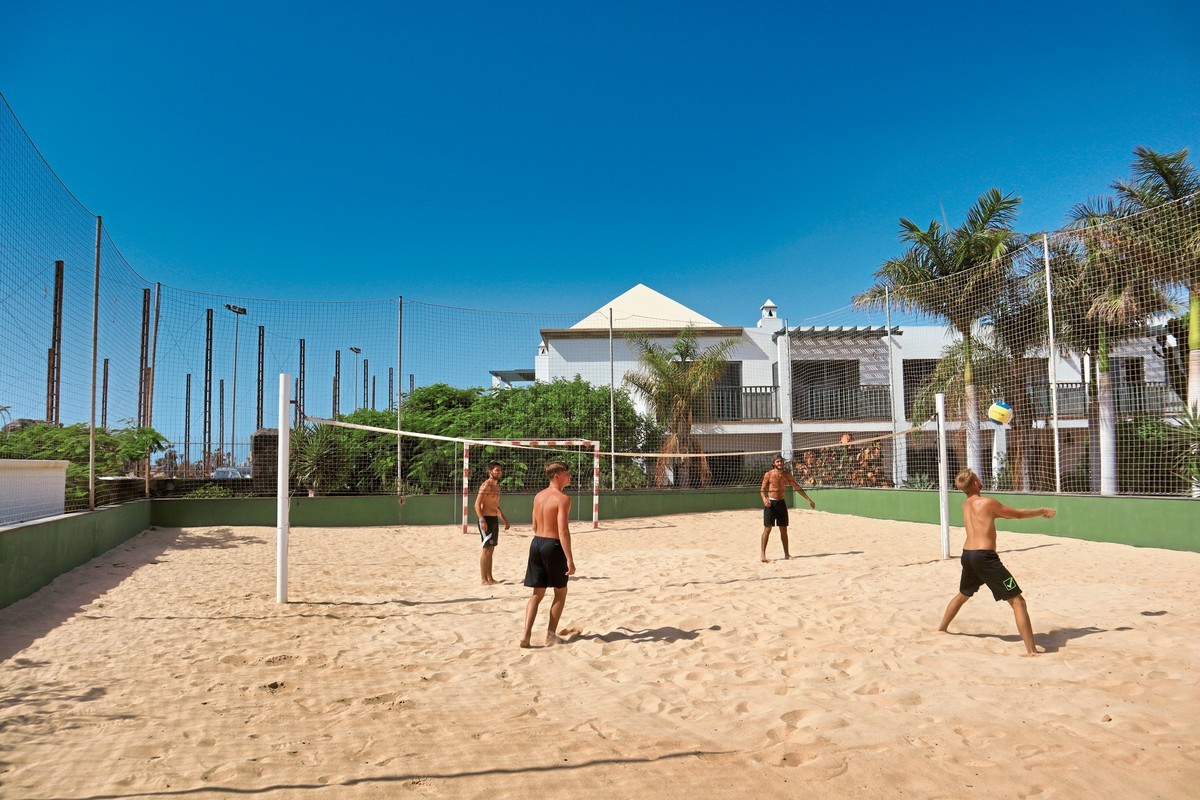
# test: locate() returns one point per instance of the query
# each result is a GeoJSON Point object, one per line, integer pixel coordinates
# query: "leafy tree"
{"type": "Point", "coordinates": [954, 274]}
{"type": "Point", "coordinates": [560, 409]}
{"type": "Point", "coordinates": [117, 452]}
{"type": "Point", "coordinates": [677, 381]}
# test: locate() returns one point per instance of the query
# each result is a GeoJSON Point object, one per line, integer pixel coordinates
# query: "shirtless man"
{"type": "Point", "coordinates": [487, 509]}
{"type": "Point", "coordinates": [775, 511]}
{"type": "Point", "coordinates": [550, 557]}
{"type": "Point", "coordinates": [980, 564]}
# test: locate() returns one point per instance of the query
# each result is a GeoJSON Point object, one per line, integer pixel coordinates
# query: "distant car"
{"type": "Point", "coordinates": [245, 471]}
{"type": "Point", "coordinates": [229, 472]}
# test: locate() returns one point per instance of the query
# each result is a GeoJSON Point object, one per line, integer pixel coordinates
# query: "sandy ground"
{"type": "Point", "coordinates": [166, 668]}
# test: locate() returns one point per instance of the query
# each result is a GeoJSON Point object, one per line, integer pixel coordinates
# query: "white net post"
{"type": "Point", "coordinates": [466, 482]}
{"type": "Point", "coordinates": [595, 485]}
{"type": "Point", "coordinates": [1052, 366]}
{"type": "Point", "coordinates": [281, 489]}
{"type": "Point", "coordinates": [943, 476]}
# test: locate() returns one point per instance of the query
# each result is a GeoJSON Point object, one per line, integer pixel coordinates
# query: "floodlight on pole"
{"type": "Point", "coordinates": [238, 312]}
{"type": "Point", "coordinates": [356, 351]}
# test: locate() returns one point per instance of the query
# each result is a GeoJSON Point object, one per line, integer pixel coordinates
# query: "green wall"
{"type": "Point", "coordinates": [36, 553]}
{"type": "Point", "coordinates": [33, 555]}
{"type": "Point", "coordinates": [1169, 523]}
{"type": "Point", "coordinates": [333, 512]}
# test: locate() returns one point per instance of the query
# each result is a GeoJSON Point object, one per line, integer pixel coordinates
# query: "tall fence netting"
{"type": "Point", "coordinates": [1082, 333]}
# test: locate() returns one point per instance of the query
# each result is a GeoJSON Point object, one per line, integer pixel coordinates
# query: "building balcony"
{"type": "Point", "coordinates": [743, 404]}
{"type": "Point", "coordinates": [1152, 399]}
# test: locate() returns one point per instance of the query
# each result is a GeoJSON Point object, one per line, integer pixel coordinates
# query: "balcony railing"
{"type": "Point", "coordinates": [743, 403]}
{"type": "Point", "coordinates": [849, 403]}
{"type": "Point", "coordinates": [1153, 399]}
{"type": "Point", "coordinates": [758, 403]}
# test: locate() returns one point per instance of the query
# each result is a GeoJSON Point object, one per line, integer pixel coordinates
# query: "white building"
{"type": "Point", "coordinates": [839, 379]}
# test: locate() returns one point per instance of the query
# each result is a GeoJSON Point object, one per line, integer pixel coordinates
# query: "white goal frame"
{"type": "Point", "coordinates": [466, 475]}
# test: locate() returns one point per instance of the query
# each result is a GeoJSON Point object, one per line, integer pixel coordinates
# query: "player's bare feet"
{"type": "Point", "coordinates": [525, 644]}
{"type": "Point", "coordinates": [553, 639]}
{"type": "Point", "coordinates": [763, 558]}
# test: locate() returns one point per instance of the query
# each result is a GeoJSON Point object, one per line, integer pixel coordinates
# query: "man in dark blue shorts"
{"type": "Point", "coordinates": [980, 563]}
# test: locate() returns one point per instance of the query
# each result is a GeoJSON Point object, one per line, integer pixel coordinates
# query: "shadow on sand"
{"type": "Point", "coordinates": [1050, 641]}
{"type": "Point", "coordinates": [291, 789]}
{"type": "Point", "coordinates": [32, 617]}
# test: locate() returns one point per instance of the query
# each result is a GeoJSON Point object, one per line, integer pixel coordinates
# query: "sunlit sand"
{"type": "Point", "coordinates": [687, 668]}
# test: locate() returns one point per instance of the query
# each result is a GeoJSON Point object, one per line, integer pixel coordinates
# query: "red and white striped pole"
{"type": "Point", "coordinates": [595, 485]}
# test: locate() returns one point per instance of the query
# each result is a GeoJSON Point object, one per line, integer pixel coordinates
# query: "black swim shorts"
{"type": "Point", "coordinates": [547, 564]}
{"type": "Point", "coordinates": [983, 566]}
{"type": "Point", "coordinates": [775, 514]}
{"type": "Point", "coordinates": [489, 531]}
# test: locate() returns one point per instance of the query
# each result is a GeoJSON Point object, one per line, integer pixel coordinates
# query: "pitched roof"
{"type": "Point", "coordinates": [641, 307]}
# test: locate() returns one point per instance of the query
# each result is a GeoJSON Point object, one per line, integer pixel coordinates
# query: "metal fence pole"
{"type": "Point", "coordinates": [95, 357]}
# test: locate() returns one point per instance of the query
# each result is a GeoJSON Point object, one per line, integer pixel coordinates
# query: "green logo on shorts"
{"type": "Point", "coordinates": [1010, 583]}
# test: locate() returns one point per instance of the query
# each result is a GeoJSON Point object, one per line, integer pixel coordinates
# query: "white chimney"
{"type": "Point", "coordinates": [770, 320]}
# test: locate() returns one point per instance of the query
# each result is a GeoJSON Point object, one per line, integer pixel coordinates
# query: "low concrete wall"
{"type": "Point", "coordinates": [34, 554]}
{"type": "Point", "coordinates": [1169, 523]}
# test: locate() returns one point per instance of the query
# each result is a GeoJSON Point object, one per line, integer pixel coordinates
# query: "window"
{"type": "Point", "coordinates": [917, 372]}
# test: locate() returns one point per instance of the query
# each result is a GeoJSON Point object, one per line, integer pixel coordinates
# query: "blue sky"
{"type": "Point", "coordinates": [547, 156]}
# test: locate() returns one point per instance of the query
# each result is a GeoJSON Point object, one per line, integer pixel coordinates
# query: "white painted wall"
{"type": "Point", "coordinates": [31, 489]}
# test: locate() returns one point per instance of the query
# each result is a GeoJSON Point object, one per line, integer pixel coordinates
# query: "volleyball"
{"type": "Point", "coordinates": [1000, 413]}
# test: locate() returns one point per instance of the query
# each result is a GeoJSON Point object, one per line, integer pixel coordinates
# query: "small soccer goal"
{"type": "Point", "coordinates": [584, 445]}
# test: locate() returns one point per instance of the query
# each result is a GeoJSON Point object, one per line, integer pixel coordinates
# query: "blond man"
{"type": "Point", "coordinates": [981, 564]}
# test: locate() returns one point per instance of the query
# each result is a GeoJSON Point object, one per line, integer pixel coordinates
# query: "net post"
{"type": "Point", "coordinates": [943, 476]}
{"type": "Point", "coordinates": [466, 483]}
{"type": "Point", "coordinates": [612, 402]}
{"type": "Point", "coordinates": [595, 485]}
{"type": "Point", "coordinates": [282, 521]}
{"type": "Point", "coordinates": [1053, 376]}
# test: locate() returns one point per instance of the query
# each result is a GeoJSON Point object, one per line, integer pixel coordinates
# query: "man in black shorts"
{"type": "Point", "coordinates": [551, 561]}
{"type": "Point", "coordinates": [980, 563]}
{"type": "Point", "coordinates": [775, 511]}
{"type": "Point", "coordinates": [487, 509]}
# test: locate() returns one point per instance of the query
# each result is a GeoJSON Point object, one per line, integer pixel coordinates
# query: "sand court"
{"type": "Point", "coordinates": [165, 668]}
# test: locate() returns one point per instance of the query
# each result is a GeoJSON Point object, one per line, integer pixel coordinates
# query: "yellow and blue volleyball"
{"type": "Point", "coordinates": [1000, 413]}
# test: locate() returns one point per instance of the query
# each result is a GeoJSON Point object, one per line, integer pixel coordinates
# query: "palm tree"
{"type": "Point", "coordinates": [319, 460]}
{"type": "Point", "coordinates": [1167, 183]}
{"type": "Point", "coordinates": [954, 275]}
{"type": "Point", "coordinates": [677, 382]}
{"type": "Point", "coordinates": [1104, 300]}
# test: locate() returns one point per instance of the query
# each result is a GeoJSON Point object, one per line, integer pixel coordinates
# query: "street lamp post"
{"type": "Point", "coordinates": [356, 351]}
{"type": "Point", "coordinates": [238, 312]}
